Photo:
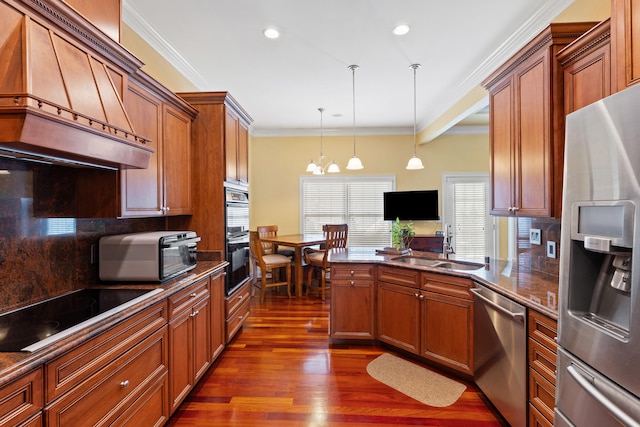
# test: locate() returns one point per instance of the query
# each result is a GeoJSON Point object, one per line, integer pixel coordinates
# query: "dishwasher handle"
{"type": "Point", "coordinates": [515, 316]}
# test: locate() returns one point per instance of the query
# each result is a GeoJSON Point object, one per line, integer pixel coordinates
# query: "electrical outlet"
{"type": "Point", "coordinates": [534, 236]}
{"type": "Point", "coordinates": [551, 299]}
{"type": "Point", "coordinates": [551, 249]}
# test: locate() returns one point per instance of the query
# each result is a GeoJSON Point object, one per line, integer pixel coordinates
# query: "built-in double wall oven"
{"type": "Point", "coordinates": [237, 237]}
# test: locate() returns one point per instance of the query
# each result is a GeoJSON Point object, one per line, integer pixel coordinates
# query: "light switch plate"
{"type": "Point", "coordinates": [551, 249]}
{"type": "Point", "coordinates": [534, 236]}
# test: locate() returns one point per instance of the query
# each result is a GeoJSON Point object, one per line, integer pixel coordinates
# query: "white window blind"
{"type": "Point", "coordinates": [467, 213]}
{"type": "Point", "coordinates": [357, 201]}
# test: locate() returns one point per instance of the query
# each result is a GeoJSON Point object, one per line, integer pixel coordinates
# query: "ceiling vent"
{"type": "Point", "coordinates": [61, 82]}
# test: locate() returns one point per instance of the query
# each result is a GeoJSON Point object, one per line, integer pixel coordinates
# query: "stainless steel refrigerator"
{"type": "Point", "coordinates": [598, 366]}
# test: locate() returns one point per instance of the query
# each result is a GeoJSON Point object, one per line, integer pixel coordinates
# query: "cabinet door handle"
{"type": "Point", "coordinates": [352, 283]}
{"type": "Point", "coordinates": [124, 384]}
{"type": "Point", "coordinates": [416, 295]}
{"type": "Point", "coordinates": [193, 295]}
{"type": "Point", "coordinates": [421, 296]}
{"type": "Point", "coordinates": [352, 272]}
{"type": "Point", "coordinates": [195, 313]}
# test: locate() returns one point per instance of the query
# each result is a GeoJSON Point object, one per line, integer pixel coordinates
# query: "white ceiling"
{"type": "Point", "coordinates": [219, 46]}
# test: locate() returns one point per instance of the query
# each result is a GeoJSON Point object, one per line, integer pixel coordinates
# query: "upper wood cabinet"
{"type": "Point", "coordinates": [164, 187]}
{"type": "Point", "coordinates": [221, 124]}
{"type": "Point", "coordinates": [527, 126]}
{"type": "Point", "coordinates": [236, 148]}
{"type": "Point", "coordinates": [625, 42]}
{"type": "Point", "coordinates": [586, 64]}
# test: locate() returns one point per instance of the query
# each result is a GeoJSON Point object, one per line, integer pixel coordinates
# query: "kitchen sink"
{"type": "Point", "coordinates": [439, 263]}
{"type": "Point", "coordinates": [36, 326]}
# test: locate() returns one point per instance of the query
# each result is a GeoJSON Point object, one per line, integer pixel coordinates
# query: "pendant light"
{"type": "Point", "coordinates": [354, 162]}
{"type": "Point", "coordinates": [414, 162]}
{"type": "Point", "coordinates": [319, 168]}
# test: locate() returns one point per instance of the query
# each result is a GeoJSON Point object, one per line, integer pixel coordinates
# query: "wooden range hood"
{"type": "Point", "coordinates": [61, 86]}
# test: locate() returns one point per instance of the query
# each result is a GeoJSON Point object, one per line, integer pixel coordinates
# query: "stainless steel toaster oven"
{"type": "Point", "coordinates": [149, 256]}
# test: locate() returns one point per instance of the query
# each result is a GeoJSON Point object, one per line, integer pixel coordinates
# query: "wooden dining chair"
{"type": "Point", "coordinates": [270, 248]}
{"type": "Point", "coordinates": [269, 264]}
{"type": "Point", "coordinates": [317, 259]}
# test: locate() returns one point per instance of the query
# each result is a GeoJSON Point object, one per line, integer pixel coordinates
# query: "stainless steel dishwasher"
{"type": "Point", "coordinates": [500, 346]}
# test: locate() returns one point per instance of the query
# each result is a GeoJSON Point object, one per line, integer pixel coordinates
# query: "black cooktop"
{"type": "Point", "coordinates": [24, 327]}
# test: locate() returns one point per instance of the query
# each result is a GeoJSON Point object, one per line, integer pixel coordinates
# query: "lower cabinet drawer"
{"type": "Point", "coordinates": [542, 360]}
{"type": "Point", "coordinates": [237, 318]}
{"type": "Point", "coordinates": [72, 368]}
{"type": "Point", "coordinates": [103, 397]}
{"type": "Point", "coordinates": [151, 408]}
{"type": "Point", "coordinates": [21, 399]}
{"type": "Point", "coordinates": [536, 419]}
{"type": "Point", "coordinates": [541, 394]}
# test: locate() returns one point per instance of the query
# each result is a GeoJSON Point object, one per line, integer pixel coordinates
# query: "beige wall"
{"type": "Point", "coordinates": [276, 164]}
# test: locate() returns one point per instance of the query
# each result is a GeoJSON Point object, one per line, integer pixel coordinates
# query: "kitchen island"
{"type": "Point", "coordinates": [424, 306]}
{"type": "Point", "coordinates": [535, 290]}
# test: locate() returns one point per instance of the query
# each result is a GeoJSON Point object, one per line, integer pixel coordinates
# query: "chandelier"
{"type": "Point", "coordinates": [320, 168]}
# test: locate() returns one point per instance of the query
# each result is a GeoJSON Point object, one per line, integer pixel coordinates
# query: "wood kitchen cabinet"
{"type": "Point", "coordinates": [236, 148]}
{"type": "Point", "coordinates": [625, 43]}
{"type": "Point", "coordinates": [22, 400]}
{"type": "Point", "coordinates": [447, 321]}
{"type": "Point", "coordinates": [237, 309]}
{"type": "Point", "coordinates": [586, 65]}
{"type": "Point", "coordinates": [398, 308]}
{"type": "Point", "coordinates": [218, 315]}
{"type": "Point", "coordinates": [428, 314]}
{"type": "Point", "coordinates": [164, 187]}
{"type": "Point", "coordinates": [542, 349]}
{"type": "Point", "coordinates": [189, 339]}
{"type": "Point", "coordinates": [526, 126]}
{"type": "Point", "coordinates": [215, 132]}
{"type": "Point", "coordinates": [352, 302]}
{"type": "Point", "coordinates": [122, 372]}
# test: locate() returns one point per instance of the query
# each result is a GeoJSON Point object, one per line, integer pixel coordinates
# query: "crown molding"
{"type": "Point", "coordinates": [141, 26]}
{"type": "Point", "coordinates": [534, 25]}
{"type": "Point", "coordinates": [361, 131]}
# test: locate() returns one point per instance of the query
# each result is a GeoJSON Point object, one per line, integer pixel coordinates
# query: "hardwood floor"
{"type": "Point", "coordinates": [280, 371]}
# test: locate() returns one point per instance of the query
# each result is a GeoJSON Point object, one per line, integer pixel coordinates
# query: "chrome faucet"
{"type": "Point", "coordinates": [447, 248]}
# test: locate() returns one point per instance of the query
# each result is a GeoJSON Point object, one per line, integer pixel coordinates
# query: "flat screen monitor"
{"type": "Point", "coordinates": [411, 205]}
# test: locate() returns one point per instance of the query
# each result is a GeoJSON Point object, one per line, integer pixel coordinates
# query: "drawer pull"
{"type": "Point", "coordinates": [352, 283]}
{"type": "Point", "coordinates": [195, 313]}
{"type": "Point", "coordinates": [193, 295]}
{"type": "Point", "coordinates": [241, 296]}
{"type": "Point", "coordinates": [353, 272]}
{"type": "Point", "coordinates": [124, 384]}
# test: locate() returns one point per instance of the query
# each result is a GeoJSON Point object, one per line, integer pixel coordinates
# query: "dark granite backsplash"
{"type": "Point", "coordinates": [534, 256]}
{"type": "Point", "coordinates": [45, 250]}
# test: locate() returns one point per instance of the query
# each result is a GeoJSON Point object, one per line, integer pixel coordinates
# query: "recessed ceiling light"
{"type": "Point", "coordinates": [271, 33]}
{"type": "Point", "coordinates": [401, 29]}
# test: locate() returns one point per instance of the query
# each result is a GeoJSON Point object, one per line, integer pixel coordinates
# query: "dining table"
{"type": "Point", "coordinates": [298, 242]}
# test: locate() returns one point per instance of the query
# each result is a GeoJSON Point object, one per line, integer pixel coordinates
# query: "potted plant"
{"type": "Point", "coordinates": [402, 234]}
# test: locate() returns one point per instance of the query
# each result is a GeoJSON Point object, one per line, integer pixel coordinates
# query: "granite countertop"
{"type": "Point", "coordinates": [535, 290]}
{"type": "Point", "coordinates": [15, 364]}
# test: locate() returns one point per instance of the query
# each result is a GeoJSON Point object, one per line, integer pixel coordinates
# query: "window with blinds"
{"type": "Point", "coordinates": [357, 201]}
{"type": "Point", "coordinates": [467, 214]}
